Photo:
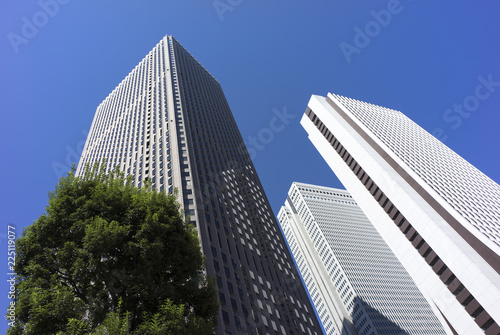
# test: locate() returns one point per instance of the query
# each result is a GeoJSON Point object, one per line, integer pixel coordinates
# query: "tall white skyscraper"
{"type": "Point", "coordinates": [169, 122]}
{"type": "Point", "coordinates": [438, 213]}
{"type": "Point", "coordinates": [355, 281]}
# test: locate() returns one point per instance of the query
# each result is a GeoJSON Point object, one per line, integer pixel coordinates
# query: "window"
{"type": "Point", "coordinates": [222, 298]}
{"type": "Point", "coordinates": [234, 305]}
{"type": "Point", "coordinates": [225, 317]}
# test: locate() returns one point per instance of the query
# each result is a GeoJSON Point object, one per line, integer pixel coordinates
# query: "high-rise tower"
{"type": "Point", "coordinates": [357, 284]}
{"type": "Point", "coordinates": [438, 213]}
{"type": "Point", "coordinates": [169, 122]}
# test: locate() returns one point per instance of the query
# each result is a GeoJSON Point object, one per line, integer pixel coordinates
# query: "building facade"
{"type": "Point", "coordinates": [438, 213]}
{"type": "Point", "coordinates": [168, 122]}
{"type": "Point", "coordinates": [357, 284]}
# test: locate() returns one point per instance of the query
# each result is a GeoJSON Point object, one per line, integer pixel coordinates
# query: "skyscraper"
{"type": "Point", "coordinates": [169, 122]}
{"type": "Point", "coordinates": [356, 283]}
{"type": "Point", "coordinates": [438, 213]}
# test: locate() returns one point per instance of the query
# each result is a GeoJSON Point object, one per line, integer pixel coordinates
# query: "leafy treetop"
{"type": "Point", "coordinates": [106, 250]}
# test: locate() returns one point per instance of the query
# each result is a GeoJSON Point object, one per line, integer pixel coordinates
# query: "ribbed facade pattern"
{"type": "Point", "coordinates": [420, 196]}
{"type": "Point", "coordinates": [374, 288]}
{"type": "Point", "coordinates": [168, 121]}
{"type": "Point", "coordinates": [130, 128]}
{"type": "Point", "coordinates": [469, 191]}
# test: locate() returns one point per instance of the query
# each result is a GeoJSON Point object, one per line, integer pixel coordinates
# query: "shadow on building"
{"type": "Point", "coordinates": [380, 322]}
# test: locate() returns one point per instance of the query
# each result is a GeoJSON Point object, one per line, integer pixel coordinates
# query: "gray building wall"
{"type": "Point", "coordinates": [335, 245]}
{"type": "Point", "coordinates": [168, 121]}
{"type": "Point", "coordinates": [437, 212]}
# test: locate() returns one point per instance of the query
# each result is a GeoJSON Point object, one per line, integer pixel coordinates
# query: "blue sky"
{"type": "Point", "coordinates": [58, 62]}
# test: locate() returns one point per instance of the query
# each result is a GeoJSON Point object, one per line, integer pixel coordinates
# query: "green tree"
{"type": "Point", "coordinates": [104, 243]}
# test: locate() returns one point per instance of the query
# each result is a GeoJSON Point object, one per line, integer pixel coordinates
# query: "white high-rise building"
{"type": "Point", "coordinates": [355, 281]}
{"type": "Point", "coordinates": [438, 213]}
{"type": "Point", "coordinates": [169, 122]}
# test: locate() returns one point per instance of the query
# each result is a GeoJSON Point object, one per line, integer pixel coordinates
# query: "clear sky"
{"type": "Point", "coordinates": [59, 60]}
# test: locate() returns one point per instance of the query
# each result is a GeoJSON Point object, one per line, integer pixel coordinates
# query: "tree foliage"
{"type": "Point", "coordinates": [104, 243]}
